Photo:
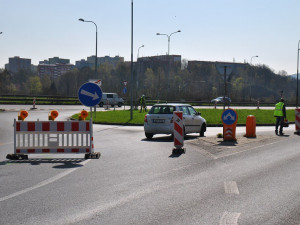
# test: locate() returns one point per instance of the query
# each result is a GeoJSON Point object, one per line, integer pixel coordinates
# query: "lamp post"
{"type": "Point", "coordinates": [252, 58]}
{"type": "Point", "coordinates": [252, 79]}
{"type": "Point", "coordinates": [137, 76]}
{"type": "Point", "coordinates": [168, 76]}
{"type": "Point", "coordinates": [82, 20]}
{"type": "Point", "coordinates": [131, 65]}
{"type": "Point", "coordinates": [297, 75]}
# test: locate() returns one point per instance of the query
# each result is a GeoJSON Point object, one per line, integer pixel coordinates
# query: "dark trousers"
{"type": "Point", "coordinates": [279, 121]}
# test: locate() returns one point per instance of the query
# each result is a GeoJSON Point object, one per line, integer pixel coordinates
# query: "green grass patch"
{"type": "Point", "coordinates": [212, 116]}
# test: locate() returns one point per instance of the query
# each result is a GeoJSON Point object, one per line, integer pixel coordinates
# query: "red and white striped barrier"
{"type": "Point", "coordinates": [178, 133]}
{"type": "Point", "coordinates": [297, 121]}
{"type": "Point", "coordinates": [58, 137]}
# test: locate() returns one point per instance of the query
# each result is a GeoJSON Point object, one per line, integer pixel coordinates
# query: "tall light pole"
{"type": "Point", "coordinates": [252, 79]}
{"type": "Point", "coordinates": [137, 76]}
{"type": "Point", "coordinates": [82, 20]}
{"type": "Point", "coordinates": [297, 75]}
{"type": "Point", "coordinates": [131, 67]}
{"type": "Point", "coordinates": [168, 77]}
{"type": "Point", "coordinates": [252, 58]}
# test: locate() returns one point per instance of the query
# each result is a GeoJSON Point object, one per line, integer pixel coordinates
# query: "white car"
{"type": "Point", "coordinates": [111, 99]}
{"type": "Point", "coordinates": [159, 120]}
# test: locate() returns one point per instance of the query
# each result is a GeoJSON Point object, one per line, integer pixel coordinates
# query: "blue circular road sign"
{"type": "Point", "coordinates": [229, 117]}
{"type": "Point", "coordinates": [89, 94]}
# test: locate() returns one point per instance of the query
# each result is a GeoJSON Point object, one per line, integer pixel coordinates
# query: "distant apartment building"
{"type": "Point", "coordinates": [54, 70]}
{"type": "Point", "coordinates": [16, 64]}
{"type": "Point", "coordinates": [90, 62]}
{"type": "Point", "coordinates": [192, 64]}
{"type": "Point", "coordinates": [160, 61]}
{"type": "Point", "coordinates": [55, 60]}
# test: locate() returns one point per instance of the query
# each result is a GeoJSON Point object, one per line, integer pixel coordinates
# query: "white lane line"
{"type": "Point", "coordinates": [230, 218]}
{"type": "Point", "coordinates": [43, 183]}
{"type": "Point", "coordinates": [231, 187]}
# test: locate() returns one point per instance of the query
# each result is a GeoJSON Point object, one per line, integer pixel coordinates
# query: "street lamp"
{"type": "Point", "coordinates": [168, 76]}
{"type": "Point", "coordinates": [82, 20]}
{"type": "Point", "coordinates": [297, 76]}
{"type": "Point", "coordinates": [252, 58]}
{"type": "Point", "coordinates": [131, 65]}
{"type": "Point", "coordinates": [137, 76]}
{"type": "Point", "coordinates": [0, 32]}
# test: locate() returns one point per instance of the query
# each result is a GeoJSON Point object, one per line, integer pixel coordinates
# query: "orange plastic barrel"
{"type": "Point", "coordinates": [251, 126]}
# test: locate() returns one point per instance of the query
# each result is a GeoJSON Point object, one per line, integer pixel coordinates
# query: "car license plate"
{"type": "Point", "coordinates": [158, 120]}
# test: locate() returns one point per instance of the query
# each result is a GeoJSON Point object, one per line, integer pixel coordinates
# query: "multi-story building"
{"type": "Point", "coordinates": [160, 61]}
{"type": "Point", "coordinates": [192, 64]}
{"type": "Point", "coordinates": [55, 60]}
{"type": "Point", "coordinates": [54, 70]}
{"type": "Point", "coordinates": [90, 62]}
{"type": "Point", "coordinates": [16, 64]}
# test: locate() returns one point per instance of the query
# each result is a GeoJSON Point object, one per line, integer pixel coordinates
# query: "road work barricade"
{"type": "Point", "coordinates": [53, 137]}
{"type": "Point", "coordinates": [178, 133]}
{"type": "Point", "coordinates": [250, 126]}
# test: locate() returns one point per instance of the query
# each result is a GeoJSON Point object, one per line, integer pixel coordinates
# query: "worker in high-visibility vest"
{"type": "Point", "coordinates": [143, 103]}
{"type": "Point", "coordinates": [280, 115]}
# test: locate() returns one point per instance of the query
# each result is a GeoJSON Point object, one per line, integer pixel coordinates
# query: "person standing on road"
{"type": "Point", "coordinates": [143, 103]}
{"type": "Point", "coordinates": [280, 115]}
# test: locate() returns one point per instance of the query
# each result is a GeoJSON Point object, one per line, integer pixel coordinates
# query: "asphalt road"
{"type": "Point", "coordinates": [136, 181]}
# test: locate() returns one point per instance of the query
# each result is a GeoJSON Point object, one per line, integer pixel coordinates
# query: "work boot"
{"type": "Point", "coordinates": [281, 134]}
{"type": "Point", "coordinates": [276, 132]}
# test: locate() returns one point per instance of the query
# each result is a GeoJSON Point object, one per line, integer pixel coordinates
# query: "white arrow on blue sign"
{"type": "Point", "coordinates": [229, 117]}
{"type": "Point", "coordinates": [89, 94]}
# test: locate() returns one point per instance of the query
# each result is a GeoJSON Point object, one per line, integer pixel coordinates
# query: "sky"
{"type": "Point", "coordinates": [215, 30]}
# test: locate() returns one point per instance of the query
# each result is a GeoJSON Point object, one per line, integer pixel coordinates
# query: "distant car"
{"type": "Point", "coordinates": [159, 120]}
{"type": "Point", "coordinates": [111, 99]}
{"type": "Point", "coordinates": [221, 100]}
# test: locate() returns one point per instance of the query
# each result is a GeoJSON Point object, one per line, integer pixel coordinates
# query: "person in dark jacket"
{"type": "Point", "coordinates": [280, 114]}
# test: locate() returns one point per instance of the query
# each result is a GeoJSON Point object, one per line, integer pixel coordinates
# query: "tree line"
{"type": "Point", "coordinates": [197, 83]}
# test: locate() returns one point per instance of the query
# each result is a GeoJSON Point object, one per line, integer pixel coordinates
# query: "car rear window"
{"type": "Point", "coordinates": [162, 110]}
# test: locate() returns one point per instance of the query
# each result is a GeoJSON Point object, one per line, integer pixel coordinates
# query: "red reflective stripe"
{"type": "Point", "coordinates": [46, 150]}
{"type": "Point", "coordinates": [177, 143]}
{"type": "Point", "coordinates": [60, 150]}
{"type": "Point", "coordinates": [179, 114]}
{"type": "Point", "coordinates": [75, 126]}
{"type": "Point", "coordinates": [46, 126]}
{"type": "Point", "coordinates": [178, 129]}
{"type": "Point", "coordinates": [31, 150]}
{"type": "Point", "coordinates": [18, 151]}
{"type": "Point", "coordinates": [75, 150]}
{"type": "Point", "coordinates": [87, 150]}
{"type": "Point", "coordinates": [87, 127]}
{"type": "Point", "coordinates": [60, 126]}
{"type": "Point", "coordinates": [18, 125]}
{"type": "Point", "coordinates": [30, 126]}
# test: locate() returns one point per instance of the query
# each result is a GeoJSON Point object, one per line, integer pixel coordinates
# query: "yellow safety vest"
{"type": "Point", "coordinates": [278, 109]}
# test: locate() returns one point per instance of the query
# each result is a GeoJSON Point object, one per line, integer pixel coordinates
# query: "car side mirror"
{"type": "Point", "coordinates": [198, 113]}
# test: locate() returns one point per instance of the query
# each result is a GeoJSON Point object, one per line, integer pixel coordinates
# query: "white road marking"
{"type": "Point", "coordinates": [229, 218]}
{"type": "Point", "coordinates": [231, 187]}
{"type": "Point", "coordinates": [43, 183]}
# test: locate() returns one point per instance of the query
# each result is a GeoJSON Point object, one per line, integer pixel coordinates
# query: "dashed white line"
{"type": "Point", "coordinates": [231, 187]}
{"type": "Point", "coordinates": [230, 218]}
{"type": "Point", "coordinates": [43, 183]}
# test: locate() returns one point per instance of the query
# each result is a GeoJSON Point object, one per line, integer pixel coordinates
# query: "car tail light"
{"type": "Point", "coordinates": [145, 119]}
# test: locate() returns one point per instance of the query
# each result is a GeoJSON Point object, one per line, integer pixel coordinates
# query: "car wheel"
{"type": "Point", "coordinates": [203, 129]}
{"type": "Point", "coordinates": [101, 104]}
{"type": "Point", "coordinates": [119, 104]}
{"type": "Point", "coordinates": [149, 135]}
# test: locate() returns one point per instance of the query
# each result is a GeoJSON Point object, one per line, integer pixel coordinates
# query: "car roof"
{"type": "Point", "coordinates": [171, 104]}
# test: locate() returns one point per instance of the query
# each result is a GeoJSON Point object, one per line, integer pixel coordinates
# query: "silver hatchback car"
{"type": "Point", "coordinates": [159, 119]}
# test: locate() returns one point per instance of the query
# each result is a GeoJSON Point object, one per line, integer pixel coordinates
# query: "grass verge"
{"type": "Point", "coordinates": [212, 116]}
